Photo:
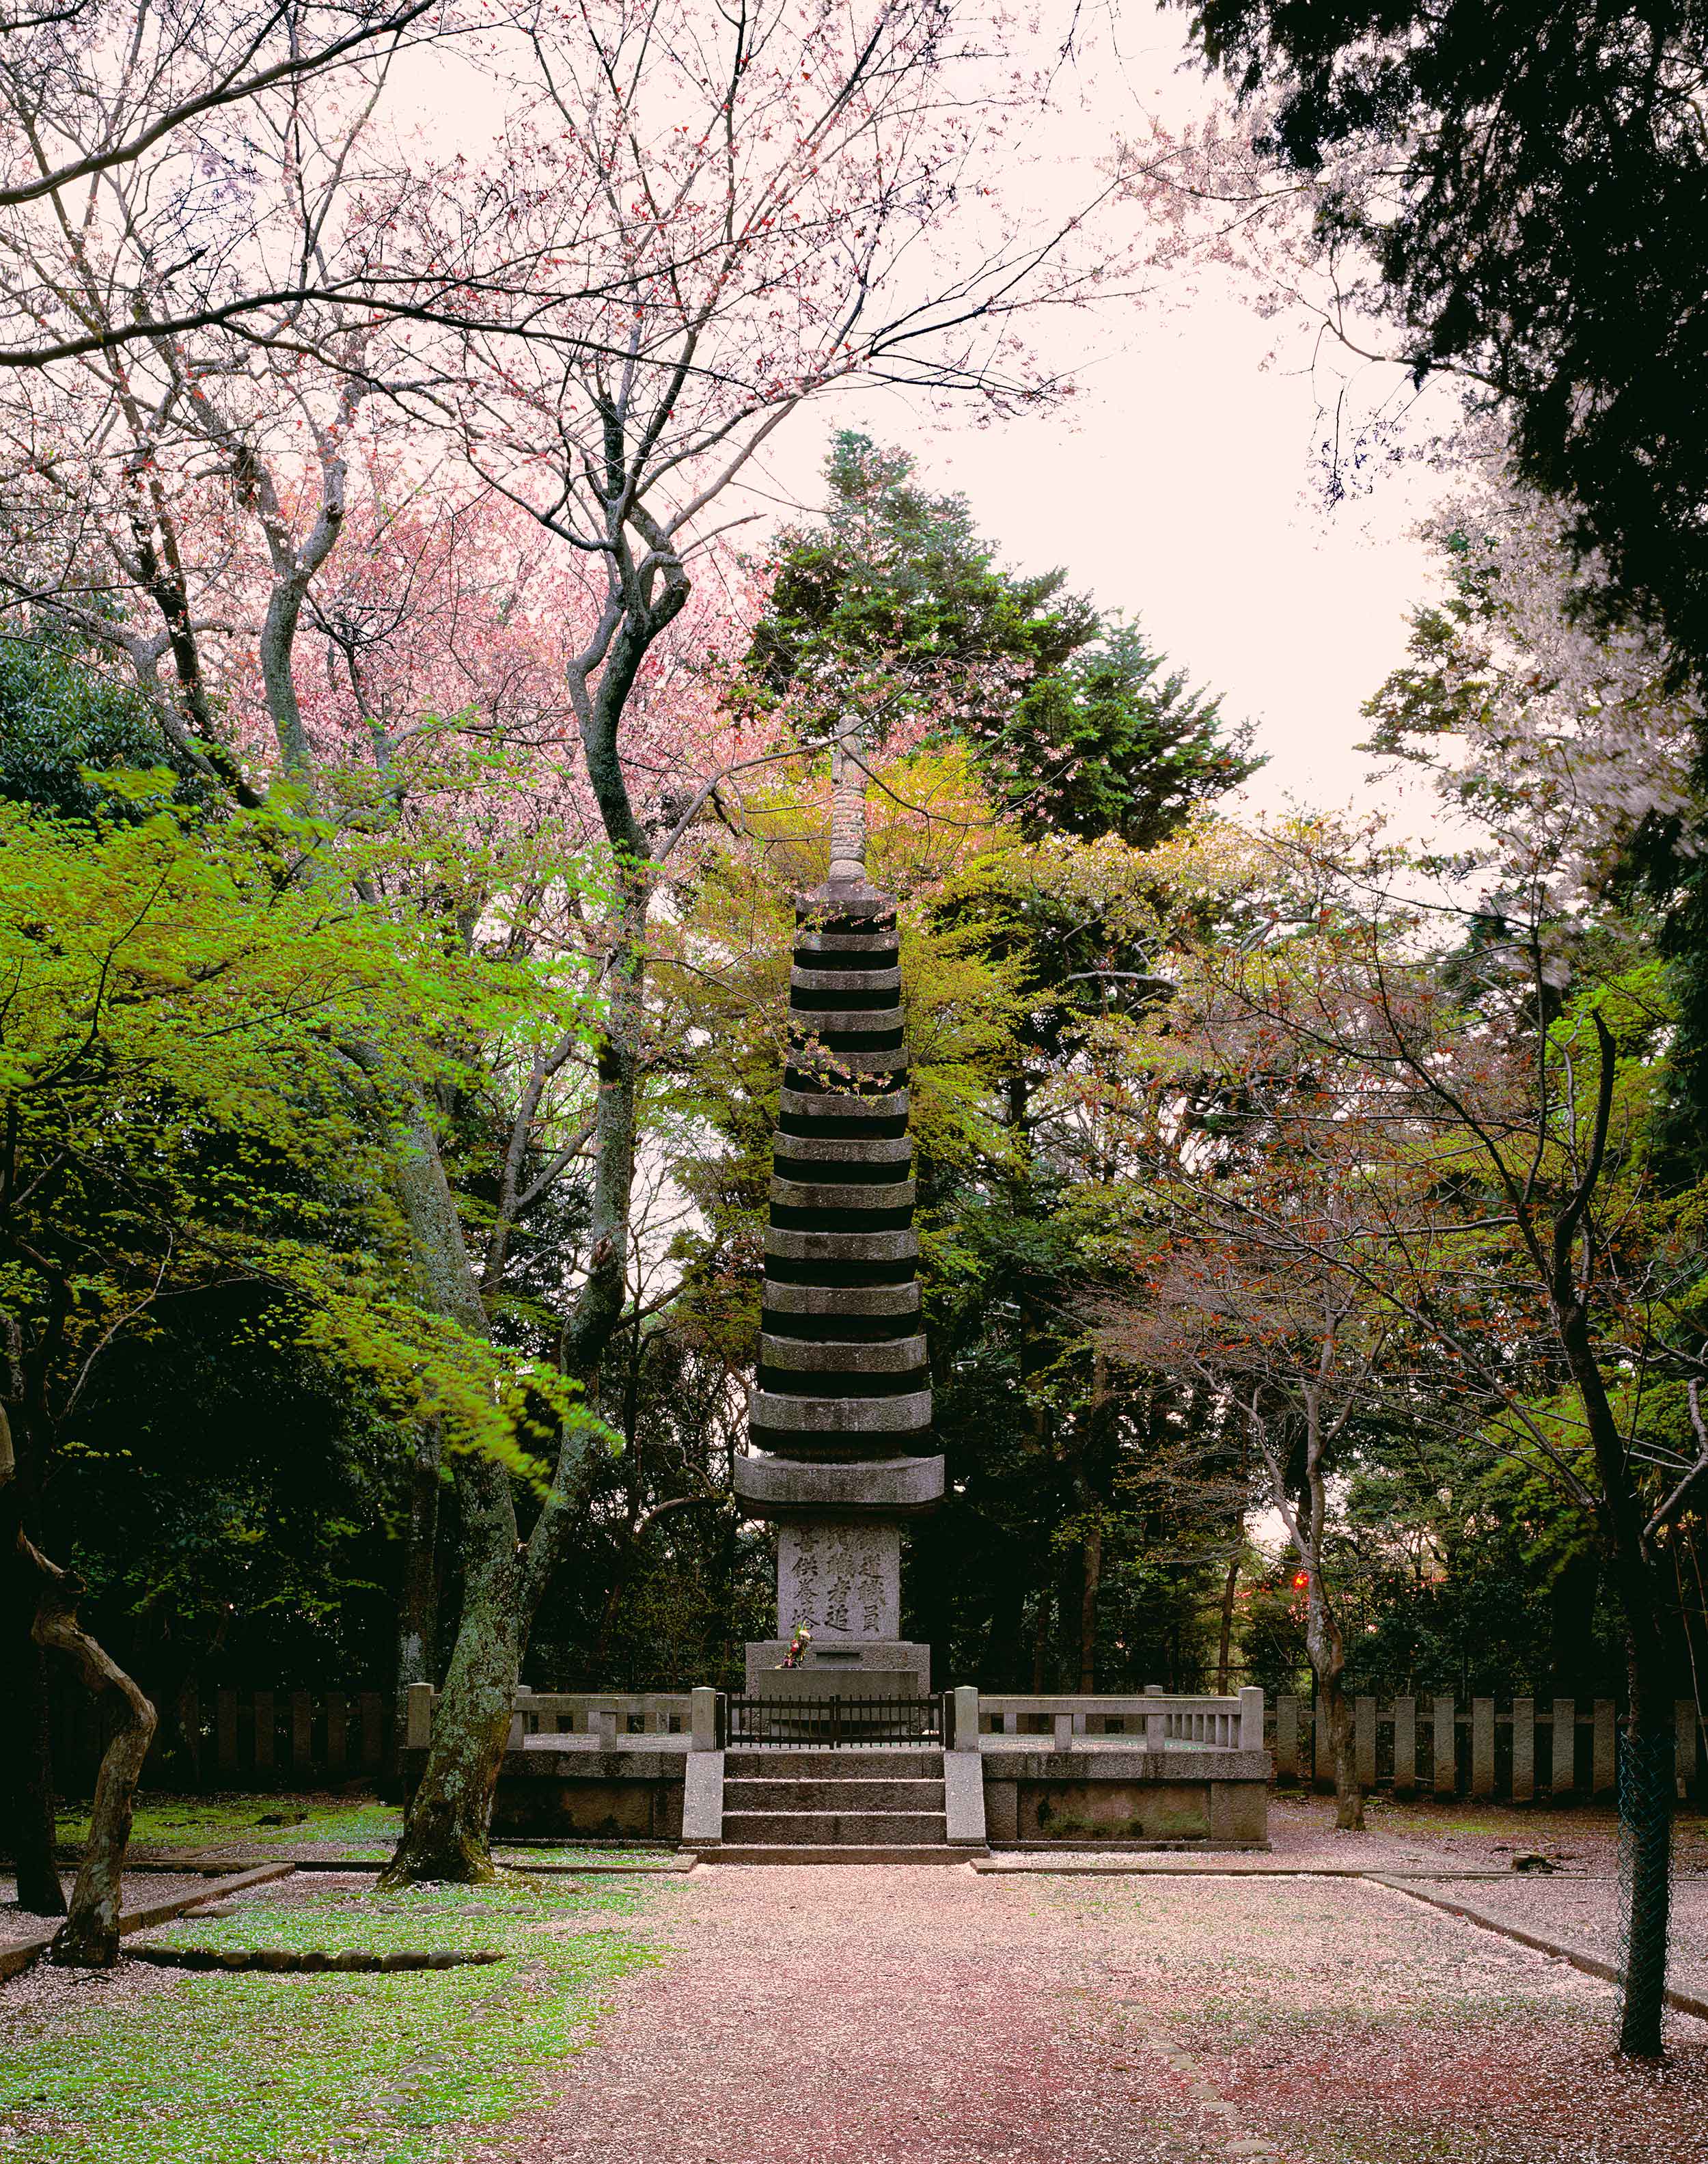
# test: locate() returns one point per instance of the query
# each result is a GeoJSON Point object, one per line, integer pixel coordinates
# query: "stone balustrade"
{"type": "Point", "coordinates": [1234, 1723]}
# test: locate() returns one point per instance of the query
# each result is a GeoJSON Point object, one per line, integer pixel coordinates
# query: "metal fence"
{"type": "Point", "coordinates": [836, 1720]}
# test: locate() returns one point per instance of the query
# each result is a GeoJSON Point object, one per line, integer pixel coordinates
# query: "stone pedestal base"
{"type": "Point", "coordinates": [894, 1665]}
{"type": "Point", "coordinates": [841, 1581]}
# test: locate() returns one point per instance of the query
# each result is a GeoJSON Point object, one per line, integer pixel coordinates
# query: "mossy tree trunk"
{"type": "Point", "coordinates": [49, 1595]}
{"type": "Point", "coordinates": [89, 1936]}
{"type": "Point", "coordinates": [448, 1832]}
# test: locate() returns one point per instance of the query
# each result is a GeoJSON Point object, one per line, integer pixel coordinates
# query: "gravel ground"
{"type": "Point", "coordinates": [1358, 2027]}
{"type": "Point", "coordinates": [849, 2016]}
{"type": "Point", "coordinates": [1586, 1914]}
{"type": "Point", "coordinates": [856, 2015]}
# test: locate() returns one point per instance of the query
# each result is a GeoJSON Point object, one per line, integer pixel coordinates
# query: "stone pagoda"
{"type": "Point", "coordinates": [841, 1419]}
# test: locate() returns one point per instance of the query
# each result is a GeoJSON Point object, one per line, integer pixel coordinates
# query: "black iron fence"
{"type": "Point", "coordinates": [836, 1719]}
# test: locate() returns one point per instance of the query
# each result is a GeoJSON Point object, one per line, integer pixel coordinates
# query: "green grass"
{"type": "Point", "coordinates": [193, 1822]}
{"type": "Point", "coordinates": [306, 2069]}
{"type": "Point", "coordinates": [358, 1830]}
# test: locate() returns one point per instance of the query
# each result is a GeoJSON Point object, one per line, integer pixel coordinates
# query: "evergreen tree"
{"type": "Point", "coordinates": [895, 607]}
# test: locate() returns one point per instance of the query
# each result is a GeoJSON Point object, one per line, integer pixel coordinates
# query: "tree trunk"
{"type": "Point", "coordinates": [1040, 1638]}
{"type": "Point", "coordinates": [1224, 1646]}
{"type": "Point", "coordinates": [1003, 1666]}
{"type": "Point", "coordinates": [89, 1936]}
{"type": "Point", "coordinates": [1090, 1575]}
{"type": "Point", "coordinates": [1349, 1796]}
{"type": "Point", "coordinates": [1326, 1648]}
{"type": "Point", "coordinates": [1647, 1830]}
{"type": "Point", "coordinates": [449, 1830]}
{"type": "Point", "coordinates": [448, 1833]}
{"type": "Point", "coordinates": [28, 1792]}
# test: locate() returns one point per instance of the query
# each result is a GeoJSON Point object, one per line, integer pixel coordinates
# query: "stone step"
{"type": "Point", "coordinates": [871, 1852]}
{"type": "Point", "coordinates": [879, 1761]}
{"type": "Point", "coordinates": [835, 1829]}
{"type": "Point", "coordinates": [751, 1792]}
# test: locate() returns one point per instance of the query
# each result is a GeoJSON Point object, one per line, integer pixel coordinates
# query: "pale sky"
{"type": "Point", "coordinates": [1179, 485]}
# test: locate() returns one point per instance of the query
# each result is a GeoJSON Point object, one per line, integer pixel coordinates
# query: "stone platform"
{"type": "Point", "coordinates": [1101, 1795]}
{"type": "Point", "coordinates": [1138, 1772]}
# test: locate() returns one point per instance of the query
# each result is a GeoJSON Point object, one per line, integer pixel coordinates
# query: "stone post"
{"type": "Point", "coordinates": [966, 1699]}
{"type": "Point", "coordinates": [418, 1716]}
{"type": "Point", "coordinates": [702, 1718]}
{"type": "Point", "coordinates": [1251, 1718]}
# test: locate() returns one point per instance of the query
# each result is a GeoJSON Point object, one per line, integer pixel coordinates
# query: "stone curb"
{"type": "Point", "coordinates": [290, 1961]}
{"type": "Point", "coordinates": [1022, 1866]}
{"type": "Point", "coordinates": [507, 1861]}
{"type": "Point", "coordinates": [22, 1953]}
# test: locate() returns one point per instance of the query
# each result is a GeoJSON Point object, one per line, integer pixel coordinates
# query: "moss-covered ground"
{"type": "Point", "coordinates": [338, 1828]}
{"type": "Point", "coordinates": [175, 2067]}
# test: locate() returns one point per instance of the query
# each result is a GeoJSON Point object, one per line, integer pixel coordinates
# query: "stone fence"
{"type": "Point", "coordinates": [609, 1717]}
{"type": "Point", "coordinates": [263, 1738]}
{"type": "Point", "coordinates": [1226, 1724]}
{"type": "Point", "coordinates": [1529, 1749]}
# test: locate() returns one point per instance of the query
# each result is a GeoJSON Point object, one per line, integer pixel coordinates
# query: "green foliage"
{"type": "Point", "coordinates": [896, 608]}
{"type": "Point", "coordinates": [1537, 224]}
{"type": "Point", "coordinates": [183, 1111]}
{"type": "Point", "coordinates": [62, 722]}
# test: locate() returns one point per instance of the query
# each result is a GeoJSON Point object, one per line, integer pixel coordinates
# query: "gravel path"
{"type": "Point", "coordinates": [1587, 1914]}
{"type": "Point", "coordinates": [850, 2015]}
{"type": "Point", "coordinates": [863, 2016]}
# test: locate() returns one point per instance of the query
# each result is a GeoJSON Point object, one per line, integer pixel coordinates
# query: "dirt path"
{"type": "Point", "coordinates": [851, 2015]}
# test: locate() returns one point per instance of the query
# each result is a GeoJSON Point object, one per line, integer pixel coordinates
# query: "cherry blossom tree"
{"type": "Point", "coordinates": [689, 223]}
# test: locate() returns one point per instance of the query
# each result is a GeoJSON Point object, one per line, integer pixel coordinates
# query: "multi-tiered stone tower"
{"type": "Point", "coordinates": [842, 1410]}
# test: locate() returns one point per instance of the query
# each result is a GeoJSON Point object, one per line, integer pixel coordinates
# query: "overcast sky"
{"type": "Point", "coordinates": [1181, 483]}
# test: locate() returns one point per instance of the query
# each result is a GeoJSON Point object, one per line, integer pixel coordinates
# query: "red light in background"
{"type": "Point", "coordinates": [1301, 1578]}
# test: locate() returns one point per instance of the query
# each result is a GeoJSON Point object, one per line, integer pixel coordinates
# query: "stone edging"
{"type": "Point", "coordinates": [1028, 1864]}
{"type": "Point", "coordinates": [290, 1961]}
{"type": "Point", "coordinates": [21, 1953]}
{"type": "Point", "coordinates": [674, 1865]}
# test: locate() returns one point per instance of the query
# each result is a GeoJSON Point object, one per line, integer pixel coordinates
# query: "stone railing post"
{"type": "Point", "coordinates": [602, 1720]}
{"type": "Point", "coordinates": [966, 1717]}
{"type": "Point", "coordinates": [702, 1718]}
{"type": "Point", "coordinates": [1064, 1731]}
{"type": "Point", "coordinates": [1251, 1718]}
{"type": "Point", "coordinates": [418, 1717]}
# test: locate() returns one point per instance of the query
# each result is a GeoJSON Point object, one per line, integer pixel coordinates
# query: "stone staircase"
{"type": "Point", "coordinates": [881, 1804]}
